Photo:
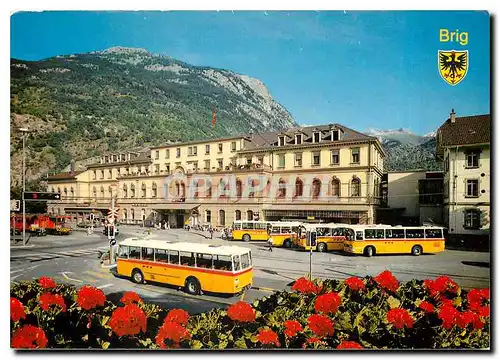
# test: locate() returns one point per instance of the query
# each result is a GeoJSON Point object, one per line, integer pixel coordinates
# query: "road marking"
{"type": "Point", "coordinates": [99, 275]}
{"type": "Point", "coordinates": [104, 286]}
{"type": "Point", "coordinates": [264, 289]}
{"type": "Point", "coordinates": [195, 297]}
{"type": "Point", "coordinates": [15, 277]}
{"type": "Point", "coordinates": [68, 278]}
{"type": "Point", "coordinates": [14, 271]}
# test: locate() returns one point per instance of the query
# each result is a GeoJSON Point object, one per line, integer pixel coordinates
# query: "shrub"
{"type": "Point", "coordinates": [369, 313]}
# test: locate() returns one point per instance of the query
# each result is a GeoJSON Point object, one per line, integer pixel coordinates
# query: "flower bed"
{"type": "Point", "coordinates": [370, 313]}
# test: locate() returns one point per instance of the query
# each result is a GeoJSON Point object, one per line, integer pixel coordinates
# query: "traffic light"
{"type": "Point", "coordinates": [41, 196]}
{"type": "Point", "coordinates": [311, 238]}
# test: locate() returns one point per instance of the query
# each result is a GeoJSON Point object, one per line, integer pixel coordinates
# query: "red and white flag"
{"type": "Point", "coordinates": [214, 118]}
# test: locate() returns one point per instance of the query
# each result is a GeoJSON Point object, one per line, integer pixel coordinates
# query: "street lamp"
{"type": "Point", "coordinates": [24, 131]}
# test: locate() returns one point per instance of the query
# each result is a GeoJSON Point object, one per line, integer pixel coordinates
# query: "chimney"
{"type": "Point", "coordinates": [452, 116]}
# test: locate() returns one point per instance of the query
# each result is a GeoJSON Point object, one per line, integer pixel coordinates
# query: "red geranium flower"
{"type": "Point", "coordinates": [349, 345]}
{"type": "Point", "coordinates": [241, 311]}
{"type": "Point", "coordinates": [328, 303]}
{"type": "Point", "coordinates": [441, 285]}
{"type": "Point", "coordinates": [426, 306]}
{"type": "Point", "coordinates": [268, 337]}
{"type": "Point", "coordinates": [305, 286]}
{"type": "Point", "coordinates": [400, 318]}
{"type": "Point", "coordinates": [449, 315]}
{"type": "Point", "coordinates": [355, 283]}
{"type": "Point", "coordinates": [478, 301]}
{"type": "Point", "coordinates": [130, 297]}
{"type": "Point", "coordinates": [89, 297]}
{"type": "Point", "coordinates": [178, 315]}
{"type": "Point", "coordinates": [387, 281]}
{"type": "Point", "coordinates": [292, 328]}
{"type": "Point", "coordinates": [128, 320]}
{"type": "Point", "coordinates": [444, 301]}
{"type": "Point", "coordinates": [429, 285]}
{"type": "Point", "coordinates": [320, 325]}
{"type": "Point", "coordinates": [172, 333]}
{"type": "Point", "coordinates": [466, 318]}
{"type": "Point", "coordinates": [29, 337]}
{"type": "Point", "coordinates": [47, 300]}
{"type": "Point", "coordinates": [46, 282]}
{"type": "Point", "coordinates": [16, 310]}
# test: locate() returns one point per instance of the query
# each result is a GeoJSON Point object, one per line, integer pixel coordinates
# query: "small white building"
{"type": "Point", "coordinates": [463, 143]}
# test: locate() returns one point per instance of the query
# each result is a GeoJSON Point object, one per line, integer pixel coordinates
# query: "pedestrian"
{"type": "Point", "coordinates": [211, 230]}
{"type": "Point", "coordinates": [270, 243]}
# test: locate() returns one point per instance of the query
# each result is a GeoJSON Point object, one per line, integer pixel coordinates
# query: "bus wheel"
{"type": "Point", "coordinates": [369, 251]}
{"type": "Point", "coordinates": [137, 276]}
{"type": "Point", "coordinates": [322, 247]}
{"type": "Point", "coordinates": [287, 244]}
{"type": "Point", "coordinates": [416, 250]}
{"type": "Point", "coordinates": [246, 237]}
{"type": "Point", "coordinates": [192, 286]}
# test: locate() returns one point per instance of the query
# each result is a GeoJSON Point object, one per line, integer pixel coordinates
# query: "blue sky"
{"type": "Point", "coordinates": [361, 69]}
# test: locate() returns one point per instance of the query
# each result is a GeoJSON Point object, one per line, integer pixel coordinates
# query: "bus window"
{"type": "Point", "coordinates": [236, 262]}
{"type": "Point", "coordinates": [369, 234]}
{"type": "Point", "coordinates": [204, 261]}
{"type": "Point", "coordinates": [379, 233]}
{"type": "Point", "coordinates": [296, 230]}
{"type": "Point", "coordinates": [161, 255]}
{"type": "Point", "coordinates": [123, 252]}
{"type": "Point", "coordinates": [395, 233]}
{"type": "Point", "coordinates": [433, 233]}
{"type": "Point", "coordinates": [275, 230]}
{"type": "Point", "coordinates": [148, 254]}
{"type": "Point", "coordinates": [286, 230]}
{"type": "Point", "coordinates": [414, 233]}
{"type": "Point", "coordinates": [245, 261]}
{"type": "Point", "coordinates": [187, 258]}
{"type": "Point", "coordinates": [349, 233]}
{"type": "Point", "coordinates": [237, 226]}
{"type": "Point", "coordinates": [359, 235]}
{"type": "Point", "coordinates": [260, 226]}
{"type": "Point", "coordinates": [247, 226]}
{"type": "Point", "coordinates": [222, 262]}
{"type": "Point", "coordinates": [134, 252]}
{"type": "Point", "coordinates": [338, 232]}
{"type": "Point", "coordinates": [173, 257]}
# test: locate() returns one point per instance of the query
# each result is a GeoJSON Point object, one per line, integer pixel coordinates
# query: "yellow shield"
{"type": "Point", "coordinates": [453, 65]}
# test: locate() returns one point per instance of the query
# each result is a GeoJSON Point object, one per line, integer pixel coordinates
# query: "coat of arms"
{"type": "Point", "coordinates": [453, 65]}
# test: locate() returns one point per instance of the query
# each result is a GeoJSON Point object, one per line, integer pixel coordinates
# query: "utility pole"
{"type": "Point", "coordinates": [111, 227]}
{"type": "Point", "coordinates": [24, 131]}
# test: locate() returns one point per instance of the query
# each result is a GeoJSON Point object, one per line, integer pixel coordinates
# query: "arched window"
{"type": "Point", "coordinates": [154, 190]}
{"type": "Point", "coordinates": [58, 190]}
{"type": "Point", "coordinates": [94, 192]}
{"type": "Point", "coordinates": [237, 215]}
{"type": "Point", "coordinates": [355, 187]}
{"type": "Point", "coordinates": [52, 190]}
{"type": "Point", "coordinates": [177, 189]}
{"type": "Point", "coordinates": [251, 193]}
{"type": "Point", "coordinates": [71, 192]}
{"type": "Point", "coordinates": [65, 192]}
{"type": "Point", "coordinates": [209, 189]}
{"type": "Point", "coordinates": [132, 191]}
{"type": "Point", "coordinates": [183, 189]}
{"type": "Point", "coordinates": [222, 217]}
{"type": "Point", "coordinates": [281, 189]}
{"type": "Point", "coordinates": [110, 191]}
{"type": "Point", "coordinates": [132, 215]}
{"type": "Point", "coordinates": [222, 188]}
{"type": "Point", "coordinates": [335, 187]}
{"type": "Point", "coordinates": [102, 191]}
{"type": "Point", "coordinates": [238, 188]}
{"type": "Point", "coordinates": [299, 187]}
{"type": "Point", "coordinates": [143, 190]}
{"type": "Point", "coordinates": [125, 214]}
{"type": "Point", "coordinates": [316, 188]}
{"type": "Point", "coordinates": [143, 214]}
{"type": "Point", "coordinates": [125, 192]}
{"type": "Point", "coordinates": [208, 216]}
{"type": "Point", "coordinates": [249, 215]}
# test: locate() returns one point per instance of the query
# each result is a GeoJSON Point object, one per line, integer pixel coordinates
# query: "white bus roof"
{"type": "Point", "coordinates": [198, 248]}
{"type": "Point", "coordinates": [286, 223]}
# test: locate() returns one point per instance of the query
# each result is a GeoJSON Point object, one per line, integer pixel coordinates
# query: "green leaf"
{"type": "Point", "coordinates": [104, 320]}
{"type": "Point", "coordinates": [393, 302]}
{"type": "Point", "coordinates": [105, 345]}
{"type": "Point", "coordinates": [240, 343]}
{"type": "Point", "coordinates": [196, 344]}
{"type": "Point", "coordinates": [223, 344]}
{"type": "Point", "coordinates": [344, 321]}
{"type": "Point", "coordinates": [457, 301]}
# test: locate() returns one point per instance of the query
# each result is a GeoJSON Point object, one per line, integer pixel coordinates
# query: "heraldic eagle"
{"type": "Point", "coordinates": [451, 64]}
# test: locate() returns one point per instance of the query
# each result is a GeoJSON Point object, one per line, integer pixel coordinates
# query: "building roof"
{"type": "Point", "coordinates": [466, 130]}
{"type": "Point", "coordinates": [194, 142]}
{"type": "Point", "coordinates": [65, 175]}
{"type": "Point", "coordinates": [199, 248]}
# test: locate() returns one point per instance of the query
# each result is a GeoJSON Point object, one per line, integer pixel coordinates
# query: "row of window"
{"type": "Point", "coordinates": [403, 233]}
{"type": "Point", "coordinates": [316, 158]}
{"type": "Point", "coordinates": [207, 261]}
{"type": "Point", "coordinates": [471, 160]}
{"type": "Point", "coordinates": [335, 135]}
{"type": "Point", "coordinates": [193, 150]}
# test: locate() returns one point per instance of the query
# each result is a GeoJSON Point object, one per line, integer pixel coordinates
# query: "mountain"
{"type": "Point", "coordinates": [79, 106]}
{"type": "Point", "coordinates": [407, 151]}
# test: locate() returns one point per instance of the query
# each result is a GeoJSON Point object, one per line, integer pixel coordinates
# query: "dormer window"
{"type": "Point", "coordinates": [281, 141]}
{"type": "Point", "coordinates": [298, 139]}
{"type": "Point", "coordinates": [317, 137]}
{"type": "Point", "coordinates": [336, 135]}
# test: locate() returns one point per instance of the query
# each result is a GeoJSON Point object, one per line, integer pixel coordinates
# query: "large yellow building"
{"type": "Point", "coordinates": [330, 173]}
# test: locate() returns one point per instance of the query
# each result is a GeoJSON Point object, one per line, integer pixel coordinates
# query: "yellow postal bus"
{"type": "Point", "coordinates": [250, 230]}
{"type": "Point", "coordinates": [328, 237]}
{"type": "Point", "coordinates": [284, 233]}
{"type": "Point", "coordinates": [195, 267]}
{"type": "Point", "coordinates": [384, 239]}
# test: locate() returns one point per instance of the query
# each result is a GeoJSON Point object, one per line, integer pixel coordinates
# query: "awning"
{"type": "Point", "coordinates": [174, 206]}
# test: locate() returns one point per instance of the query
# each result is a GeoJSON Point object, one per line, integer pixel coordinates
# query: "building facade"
{"type": "Point", "coordinates": [463, 143]}
{"type": "Point", "coordinates": [325, 173]}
